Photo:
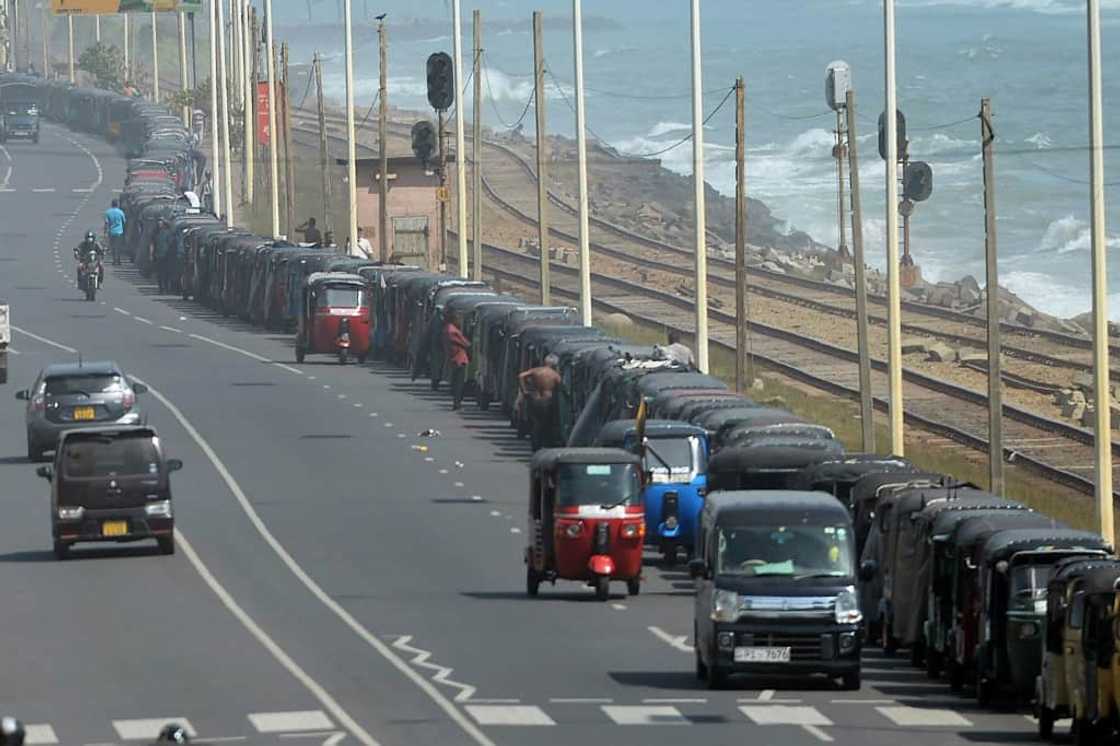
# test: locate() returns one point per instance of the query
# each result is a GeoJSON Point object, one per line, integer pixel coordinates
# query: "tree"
{"type": "Point", "coordinates": [105, 63]}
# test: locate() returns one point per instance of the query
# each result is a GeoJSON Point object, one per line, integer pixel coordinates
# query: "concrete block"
{"type": "Point", "coordinates": [940, 352]}
{"type": "Point", "coordinates": [915, 344]}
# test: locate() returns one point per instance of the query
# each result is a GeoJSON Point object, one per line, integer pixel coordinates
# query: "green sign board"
{"type": "Point", "coordinates": [109, 7]}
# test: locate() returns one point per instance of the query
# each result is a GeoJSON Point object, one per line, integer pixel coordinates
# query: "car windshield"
{"type": "Point", "coordinates": [779, 550]}
{"type": "Point", "coordinates": [597, 484]}
{"type": "Point", "coordinates": [681, 454]}
{"type": "Point", "coordinates": [340, 297]}
{"type": "Point", "coordinates": [107, 456]}
{"type": "Point", "coordinates": [84, 384]}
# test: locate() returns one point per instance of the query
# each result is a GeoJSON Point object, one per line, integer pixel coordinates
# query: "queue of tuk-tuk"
{"type": "Point", "coordinates": [802, 553]}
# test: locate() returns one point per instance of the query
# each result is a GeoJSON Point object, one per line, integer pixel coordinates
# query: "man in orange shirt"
{"type": "Point", "coordinates": [457, 358]}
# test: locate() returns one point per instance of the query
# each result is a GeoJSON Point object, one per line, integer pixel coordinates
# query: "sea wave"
{"type": "Point", "coordinates": [1047, 7]}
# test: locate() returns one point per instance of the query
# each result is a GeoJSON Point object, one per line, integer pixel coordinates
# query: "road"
{"type": "Point", "coordinates": [334, 581]}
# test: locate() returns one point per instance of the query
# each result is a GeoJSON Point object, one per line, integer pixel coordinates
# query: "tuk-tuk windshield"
{"type": "Point", "coordinates": [597, 484]}
{"type": "Point", "coordinates": [1028, 583]}
{"type": "Point", "coordinates": [785, 551]}
{"type": "Point", "coordinates": [344, 296]}
{"type": "Point", "coordinates": [684, 455]}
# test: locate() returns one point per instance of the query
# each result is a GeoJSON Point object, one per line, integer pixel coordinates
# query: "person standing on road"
{"type": "Point", "coordinates": [114, 228]}
{"type": "Point", "coordinates": [457, 358]}
{"type": "Point", "coordinates": [537, 387]}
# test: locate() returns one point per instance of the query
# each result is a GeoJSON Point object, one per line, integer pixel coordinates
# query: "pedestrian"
{"type": "Point", "coordinates": [537, 387]}
{"type": "Point", "coordinates": [114, 227]}
{"type": "Point", "coordinates": [677, 351]}
{"type": "Point", "coordinates": [457, 358]}
{"type": "Point", "coordinates": [365, 248]}
{"type": "Point", "coordinates": [310, 232]}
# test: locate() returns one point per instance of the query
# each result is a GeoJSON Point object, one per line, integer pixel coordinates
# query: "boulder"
{"type": "Point", "coordinates": [1025, 316]}
{"type": "Point", "coordinates": [1077, 412]}
{"type": "Point", "coordinates": [968, 296]}
{"type": "Point", "coordinates": [1083, 381]}
{"type": "Point", "coordinates": [969, 283]}
{"type": "Point", "coordinates": [619, 321]}
{"type": "Point", "coordinates": [939, 352]}
{"type": "Point", "coordinates": [915, 344]}
{"type": "Point", "coordinates": [1072, 403]}
{"type": "Point", "coordinates": [1087, 416]}
{"type": "Point", "coordinates": [770, 266]}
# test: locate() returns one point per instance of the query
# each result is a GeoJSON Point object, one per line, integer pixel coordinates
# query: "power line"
{"type": "Point", "coordinates": [494, 105]}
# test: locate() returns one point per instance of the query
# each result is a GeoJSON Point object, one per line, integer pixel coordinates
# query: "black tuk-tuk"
{"type": "Point", "coordinates": [837, 476]}
{"type": "Point", "coordinates": [769, 465]}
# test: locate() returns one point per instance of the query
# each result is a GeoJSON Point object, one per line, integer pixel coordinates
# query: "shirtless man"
{"type": "Point", "coordinates": [537, 386]}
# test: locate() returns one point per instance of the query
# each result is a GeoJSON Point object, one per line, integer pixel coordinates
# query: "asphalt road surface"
{"type": "Point", "coordinates": [335, 583]}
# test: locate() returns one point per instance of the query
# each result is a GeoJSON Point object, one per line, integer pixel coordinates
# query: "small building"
{"type": "Point", "coordinates": [413, 216]}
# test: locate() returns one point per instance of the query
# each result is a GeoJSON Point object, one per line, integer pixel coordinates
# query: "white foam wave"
{"type": "Point", "coordinates": [1040, 140]}
{"type": "Point", "coordinates": [1047, 7]}
{"type": "Point", "coordinates": [664, 128]}
{"type": "Point", "coordinates": [1069, 234]}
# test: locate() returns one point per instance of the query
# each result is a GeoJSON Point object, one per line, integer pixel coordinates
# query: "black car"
{"type": "Point", "coordinates": [776, 591]}
{"type": "Point", "coordinates": [111, 484]}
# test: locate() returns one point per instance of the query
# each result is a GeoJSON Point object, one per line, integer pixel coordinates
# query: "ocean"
{"type": "Point", "coordinates": [1028, 56]}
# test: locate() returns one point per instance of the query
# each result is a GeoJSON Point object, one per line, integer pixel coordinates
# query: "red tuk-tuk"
{"type": "Point", "coordinates": [334, 317]}
{"type": "Point", "coordinates": [586, 520]}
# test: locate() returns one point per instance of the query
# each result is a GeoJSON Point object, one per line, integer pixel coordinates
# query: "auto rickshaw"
{"type": "Point", "coordinates": [1014, 569]}
{"type": "Point", "coordinates": [767, 465]}
{"type": "Point", "coordinates": [1051, 689]}
{"type": "Point", "coordinates": [838, 476]}
{"type": "Point", "coordinates": [676, 460]}
{"type": "Point", "coordinates": [335, 317]}
{"type": "Point", "coordinates": [1093, 693]}
{"type": "Point", "coordinates": [585, 518]}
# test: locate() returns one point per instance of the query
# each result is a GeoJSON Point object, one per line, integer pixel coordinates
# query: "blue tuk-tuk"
{"type": "Point", "coordinates": [676, 458]}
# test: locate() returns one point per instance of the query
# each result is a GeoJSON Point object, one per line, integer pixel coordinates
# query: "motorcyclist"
{"type": "Point", "coordinates": [82, 250]}
{"type": "Point", "coordinates": [12, 732]}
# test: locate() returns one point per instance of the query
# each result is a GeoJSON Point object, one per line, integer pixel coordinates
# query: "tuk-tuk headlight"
{"type": "Point", "coordinates": [725, 606]}
{"type": "Point", "coordinates": [632, 530]}
{"type": "Point", "coordinates": [1027, 630]}
{"type": "Point", "coordinates": [573, 529]}
{"type": "Point", "coordinates": [671, 522]}
{"type": "Point", "coordinates": [847, 607]}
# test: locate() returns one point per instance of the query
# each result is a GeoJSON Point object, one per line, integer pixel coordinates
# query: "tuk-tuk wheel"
{"type": "Point", "coordinates": [299, 353]}
{"type": "Point", "coordinates": [1045, 722]}
{"type": "Point", "coordinates": [888, 642]}
{"type": "Point", "coordinates": [669, 553]}
{"type": "Point", "coordinates": [532, 582]}
{"type": "Point", "coordinates": [602, 588]}
{"type": "Point", "coordinates": [716, 678]}
{"type": "Point", "coordinates": [985, 690]}
{"type": "Point", "coordinates": [917, 654]}
{"type": "Point", "coordinates": [956, 676]}
{"type": "Point", "coordinates": [483, 400]}
{"type": "Point", "coordinates": [634, 587]}
{"type": "Point", "coordinates": [343, 356]}
{"type": "Point", "coordinates": [933, 663]}
{"type": "Point", "coordinates": [362, 358]}
{"type": "Point", "coordinates": [1084, 734]}
{"type": "Point", "coordinates": [701, 669]}
{"type": "Point", "coordinates": [61, 550]}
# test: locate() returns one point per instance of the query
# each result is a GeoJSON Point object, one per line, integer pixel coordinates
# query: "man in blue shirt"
{"type": "Point", "coordinates": [114, 227]}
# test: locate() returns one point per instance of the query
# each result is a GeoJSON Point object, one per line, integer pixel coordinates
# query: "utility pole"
{"type": "Point", "coordinates": [1102, 431]}
{"type": "Point", "coordinates": [842, 247]}
{"type": "Point", "coordinates": [183, 86]}
{"type": "Point", "coordinates": [698, 195]}
{"type": "Point", "coordinates": [383, 142]}
{"type": "Point", "coordinates": [155, 57]}
{"type": "Point", "coordinates": [237, 50]}
{"type": "Point", "coordinates": [894, 300]}
{"type": "Point", "coordinates": [441, 136]}
{"type": "Point", "coordinates": [127, 44]}
{"type": "Point", "coordinates": [223, 87]}
{"type": "Point", "coordinates": [542, 155]}
{"type": "Point", "coordinates": [70, 32]}
{"type": "Point", "coordinates": [460, 146]}
{"type": "Point", "coordinates": [273, 164]}
{"type": "Point", "coordinates": [476, 150]}
{"type": "Point", "coordinates": [250, 112]}
{"type": "Point", "coordinates": [215, 163]}
{"type": "Point", "coordinates": [289, 162]}
{"type": "Point", "coordinates": [742, 368]}
{"type": "Point", "coordinates": [96, 27]}
{"type": "Point", "coordinates": [324, 155]}
{"type": "Point", "coordinates": [581, 157]}
{"type": "Point", "coordinates": [995, 390]}
{"type": "Point", "coordinates": [46, 42]}
{"type": "Point", "coordinates": [351, 150]}
{"type": "Point", "coordinates": [866, 407]}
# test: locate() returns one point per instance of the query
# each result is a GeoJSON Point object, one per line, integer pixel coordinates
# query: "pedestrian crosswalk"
{"type": "Point", "coordinates": [251, 729]}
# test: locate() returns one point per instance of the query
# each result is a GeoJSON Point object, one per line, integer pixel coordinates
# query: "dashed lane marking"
{"type": "Point", "coordinates": [14, 351]}
{"type": "Point", "coordinates": [143, 320]}
{"type": "Point", "coordinates": [680, 642]}
{"type": "Point", "coordinates": [171, 329]}
{"type": "Point", "coordinates": [645, 715]}
{"type": "Point", "coordinates": [524, 715]}
{"type": "Point", "coordinates": [121, 311]}
{"type": "Point", "coordinates": [147, 729]}
{"type": "Point", "coordinates": [299, 720]}
{"type": "Point", "coordinates": [618, 607]}
{"type": "Point", "coordinates": [48, 190]}
{"type": "Point", "coordinates": [675, 700]}
{"type": "Point", "coordinates": [289, 368]}
{"type": "Point", "coordinates": [231, 348]}
{"type": "Point", "coordinates": [44, 340]}
{"type": "Point", "coordinates": [581, 700]}
{"type": "Point", "coordinates": [923, 717]}
{"type": "Point", "coordinates": [39, 733]}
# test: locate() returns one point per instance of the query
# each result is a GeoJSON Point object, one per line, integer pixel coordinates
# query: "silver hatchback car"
{"type": "Point", "coordinates": [70, 395]}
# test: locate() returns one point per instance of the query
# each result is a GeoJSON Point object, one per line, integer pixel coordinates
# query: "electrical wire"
{"type": "Point", "coordinates": [306, 91]}
{"type": "Point", "coordinates": [369, 111]}
{"type": "Point", "coordinates": [494, 105]}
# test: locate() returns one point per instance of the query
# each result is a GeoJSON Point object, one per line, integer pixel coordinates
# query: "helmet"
{"type": "Point", "coordinates": [11, 732]}
{"type": "Point", "coordinates": [173, 733]}
{"type": "Point", "coordinates": [90, 236]}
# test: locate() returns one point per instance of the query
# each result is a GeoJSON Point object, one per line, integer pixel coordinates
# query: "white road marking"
{"type": "Point", "coordinates": [171, 329]}
{"type": "Point", "coordinates": [14, 351]}
{"type": "Point", "coordinates": [644, 715]}
{"type": "Point", "coordinates": [675, 700]}
{"type": "Point", "coordinates": [96, 162]}
{"type": "Point", "coordinates": [581, 700]}
{"type": "Point", "coordinates": [289, 368]}
{"type": "Point", "coordinates": [44, 340]}
{"type": "Point", "coordinates": [50, 190]}
{"type": "Point", "coordinates": [373, 414]}
{"type": "Point", "coordinates": [342, 396]}
{"type": "Point", "coordinates": [6, 189]}
{"type": "Point", "coordinates": [921, 717]}
{"type": "Point", "coordinates": [422, 658]}
{"type": "Point", "coordinates": [7, 155]}
{"type": "Point", "coordinates": [231, 348]}
{"type": "Point", "coordinates": [515, 530]}
{"type": "Point", "coordinates": [765, 694]}
{"type": "Point", "coordinates": [316, 590]}
{"type": "Point", "coordinates": [82, 190]}
{"type": "Point", "coordinates": [772, 701]}
{"type": "Point", "coordinates": [494, 701]}
{"type": "Point", "coordinates": [358, 404]}
{"type": "Point", "coordinates": [862, 701]}
{"type": "Point", "coordinates": [39, 733]}
{"type": "Point", "coordinates": [147, 729]}
{"type": "Point", "coordinates": [816, 731]}
{"type": "Point", "coordinates": [806, 717]}
{"type": "Point", "coordinates": [314, 687]}
{"type": "Point", "coordinates": [680, 642]}
{"type": "Point", "coordinates": [276, 722]}
{"type": "Point", "coordinates": [509, 715]}
{"type": "Point", "coordinates": [122, 311]}
{"type": "Point", "coordinates": [618, 607]}
{"type": "Point", "coordinates": [143, 320]}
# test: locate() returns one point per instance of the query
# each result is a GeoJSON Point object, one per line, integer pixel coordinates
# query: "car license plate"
{"type": "Point", "coordinates": [762, 655]}
{"type": "Point", "coordinates": [114, 528]}
{"type": "Point", "coordinates": [83, 413]}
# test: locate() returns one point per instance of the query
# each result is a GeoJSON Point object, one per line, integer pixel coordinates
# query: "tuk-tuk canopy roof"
{"type": "Point", "coordinates": [714, 419]}
{"type": "Point", "coordinates": [752, 432]}
{"type": "Point", "coordinates": [1068, 569]}
{"type": "Point", "coordinates": [615, 432]}
{"type": "Point", "coordinates": [749, 507]}
{"type": "Point", "coordinates": [956, 511]}
{"type": "Point", "coordinates": [1101, 578]}
{"type": "Point", "coordinates": [343, 278]}
{"type": "Point", "coordinates": [652, 384]}
{"type": "Point", "coordinates": [779, 456]}
{"type": "Point", "coordinates": [870, 487]}
{"type": "Point", "coordinates": [548, 458]}
{"type": "Point", "coordinates": [1003, 544]}
{"type": "Point", "coordinates": [976, 529]}
{"type": "Point", "coordinates": [850, 468]}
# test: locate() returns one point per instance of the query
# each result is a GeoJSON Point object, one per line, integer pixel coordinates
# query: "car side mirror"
{"type": "Point", "coordinates": [139, 388]}
{"type": "Point", "coordinates": [868, 570]}
{"type": "Point", "coordinates": [23, 394]}
{"type": "Point", "coordinates": [698, 568]}
{"type": "Point", "coordinates": [46, 472]}
{"type": "Point", "coordinates": [174, 464]}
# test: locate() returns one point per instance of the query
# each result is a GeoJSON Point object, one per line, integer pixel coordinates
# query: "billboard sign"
{"type": "Point", "coordinates": [108, 7]}
{"type": "Point", "coordinates": [262, 109]}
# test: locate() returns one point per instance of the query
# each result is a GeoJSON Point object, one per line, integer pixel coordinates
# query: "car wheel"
{"type": "Point", "coordinates": [634, 587]}
{"type": "Point", "coordinates": [1084, 734]}
{"type": "Point", "coordinates": [532, 581]}
{"type": "Point", "coordinates": [716, 678]}
{"type": "Point", "coordinates": [61, 550]}
{"type": "Point", "coordinates": [602, 588]}
{"type": "Point", "coordinates": [850, 682]}
{"type": "Point", "coordinates": [166, 544]}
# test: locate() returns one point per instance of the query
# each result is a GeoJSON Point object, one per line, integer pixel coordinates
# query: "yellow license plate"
{"type": "Point", "coordinates": [83, 413]}
{"type": "Point", "coordinates": [114, 528]}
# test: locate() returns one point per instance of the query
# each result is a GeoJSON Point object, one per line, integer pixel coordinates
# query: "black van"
{"type": "Point", "coordinates": [110, 484]}
{"type": "Point", "coordinates": [776, 592]}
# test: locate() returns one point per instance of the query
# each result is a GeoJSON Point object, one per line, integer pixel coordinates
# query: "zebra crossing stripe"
{"type": "Point", "coordinates": [290, 722]}
{"type": "Point", "coordinates": [924, 717]}
{"type": "Point", "coordinates": [147, 729]}
{"type": "Point", "coordinates": [39, 734]}
{"type": "Point", "coordinates": [509, 715]}
{"type": "Point", "coordinates": [645, 715]}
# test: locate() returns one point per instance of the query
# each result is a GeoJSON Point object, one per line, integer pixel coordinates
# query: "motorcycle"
{"type": "Point", "coordinates": [89, 274]}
